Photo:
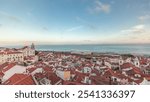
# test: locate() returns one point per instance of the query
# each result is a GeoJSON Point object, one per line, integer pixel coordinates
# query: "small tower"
{"type": "Point", "coordinates": [136, 62]}
{"type": "Point", "coordinates": [121, 61]}
{"type": "Point", "coordinates": [32, 46]}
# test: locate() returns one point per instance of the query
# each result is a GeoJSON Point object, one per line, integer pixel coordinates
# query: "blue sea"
{"type": "Point", "coordinates": [141, 49]}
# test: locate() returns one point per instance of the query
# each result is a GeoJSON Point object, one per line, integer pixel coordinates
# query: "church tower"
{"type": "Point", "coordinates": [137, 62]}
{"type": "Point", "coordinates": [32, 46]}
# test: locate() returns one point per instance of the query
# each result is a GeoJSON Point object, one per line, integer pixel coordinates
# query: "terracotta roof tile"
{"type": "Point", "coordinates": [9, 66]}
{"type": "Point", "coordinates": [53, 77]}
{"type": "Point", "coordinates": [3, 65]}
{"type": "Point", "coordinates": [126, 65]}
{"type": "Point", "coordinates": [20, 79]}
{"type": "Point", "coordinates": [31, 69]}
{"type": "Point", "coordinates": [1, 74]}
{"type": "Point", "coordinates": [100, 80]}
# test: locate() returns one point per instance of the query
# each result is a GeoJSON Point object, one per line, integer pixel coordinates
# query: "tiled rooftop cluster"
{"type": "Point", "coordinates": [76, 68]}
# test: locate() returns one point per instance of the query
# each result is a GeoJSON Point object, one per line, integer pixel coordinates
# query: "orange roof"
{"type": "Point", "coordinates": [1, 53]}
{"type": "Point", "coordinates": [49, 75]}
{"type": "Point", "coordinates": [3, 65]}
{"type": "Point", "coordinates": [100, 80]}
{"type": "Point", "coordinates": [109, 72]}
{"type": "Point", "coordinates": [148, 78]}
{"type": "Point", "coordinates": [31, 69]}
{"type": "Point", "coordinates": [10, 52]}
{"type": "Point", "coordinates": [20, 79]}
{"type": "Point", "coordinates": [137, 70]}
{"type": "Point", "coordinates": [39, 76]}
{"type": "Point", "coordinates": [1, 74]}
{"type": "Point", "coordinates": [138, 81]}
{"type": "Point", "coordinates": [53, 77]}
{"type": "Point", "coordinates": [9, 66]}
{"type": "Point", "coordinates": [143, 61]}
{"type": "Point", "coordinates": [47, 69]}
{"type": "Point", "coordinates": [126, 65]}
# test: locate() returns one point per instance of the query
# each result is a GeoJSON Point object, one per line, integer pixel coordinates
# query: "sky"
{"type": "Point", "coordinates": [74, 21]}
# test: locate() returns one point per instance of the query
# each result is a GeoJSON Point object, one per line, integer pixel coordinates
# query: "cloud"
{"type": "Point", "coordinates": [9, 17]}
{"type": "Point", "coordinates": [74, 28]}
{"type": "Point", "coordinates": [87, 40]}
{"type": "Point", "coordinates": [138, 29]}
{"type": "Point", "coordinates": [144, 18]}
{"type": "Point", "coordinates": [100, 7]}
{"type": "Point", "coordinates": [136, 34]}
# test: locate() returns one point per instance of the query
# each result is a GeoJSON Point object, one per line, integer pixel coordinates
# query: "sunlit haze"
{"type": "Point", "coordinates": [74, 21]}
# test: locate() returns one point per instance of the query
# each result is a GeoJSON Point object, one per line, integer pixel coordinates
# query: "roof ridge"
{"type": "Point", "coordinates": [22, 78]}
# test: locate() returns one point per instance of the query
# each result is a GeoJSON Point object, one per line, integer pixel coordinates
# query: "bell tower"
{"type": "Point", "coordinates": [32, 46]}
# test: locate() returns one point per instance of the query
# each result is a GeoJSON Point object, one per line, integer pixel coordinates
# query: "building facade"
{"type": "Point", "coordinates": [16, 55]}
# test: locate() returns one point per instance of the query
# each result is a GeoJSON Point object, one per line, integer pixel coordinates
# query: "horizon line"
{"type": "Point", "coordinates": [75, 44]}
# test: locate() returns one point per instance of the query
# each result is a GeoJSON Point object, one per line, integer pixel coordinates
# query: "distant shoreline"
{"type": "Point", "coordinates": [134, 49]}
{"type": "Point", "coordinates": [98, 53]}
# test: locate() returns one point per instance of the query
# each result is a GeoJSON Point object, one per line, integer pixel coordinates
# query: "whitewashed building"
{"type": "Point", "coordinates": [28, 51]}
{"type": "Point", "coordinates": [11, 57]}
{"type": "Point", "coordinates": [16, 55]}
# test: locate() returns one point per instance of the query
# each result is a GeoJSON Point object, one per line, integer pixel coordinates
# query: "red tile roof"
{"type": "Point", "coordinates": [137, 71]}
{"type": "Point", "coordinates": [1, 53]}
{"type": "Point", "coordinates": [143, 61]}
{"type": "Point", "coordinates": [126, 65]}
{"type": "Point", "coordinates": [139, 80]}
{"type": "Point", "coordinates": [53, 77]}
{"type": "Point", "coordinates": [1, 74]}
{"type": "Point", "coordinates": [31, 69]}
{"type": "Point", "coordinates": [80, 76]}
{"type": "Point", "coordinates": [20, 79]}
{"type": "Point", "coordinates": [109, 72]}
{"type": "Point", "coordinates": [39, 76]}
{"type": "Point", "coordinates": [3, 65]}
{"type": "Point", "coordinates": [10, 52]}
{"type": "Point", "coordinates": [95, 71]}
{"type": "Point", "coordinates": [47, 69]}
{"type": "Point", "coordinates": [49, 75]}
{"type": "Point", "coordinates": [9, 66]}
{"type": "Point", "coordinates": [100, 80]}
{"type": "Point", "coordinates": [148, 78]}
